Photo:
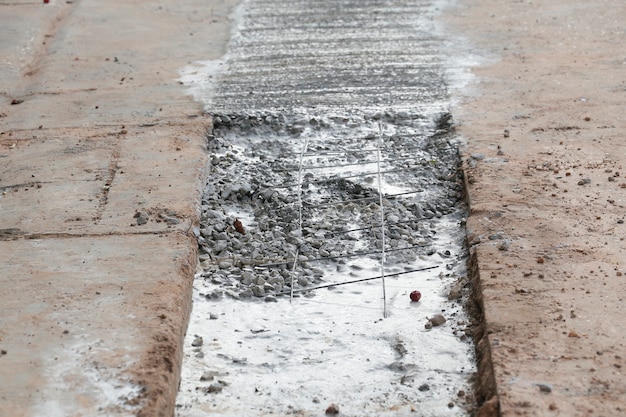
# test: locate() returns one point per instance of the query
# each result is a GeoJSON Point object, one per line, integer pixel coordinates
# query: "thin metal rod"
{"type": "Point", "coordinates": [341, 232]}
{"type": "Point", "coordinates": [327, 153]}
{"type": "Point", "coordinates": [306, 144]}
{"type": "Point", "coordinates": [355, 200]}
{"type": "Point", "coordinates": [345, 177]}
{"type": "Point", "coordinates": [360, 280]}
{"type": "Point", "coordinates": [295, 255]}
{"type": "Point", "coordinates": [293, 273]}
{"type": "Point", "coordinates": [331, 165]}
{"type": "Point", "coordinates": [382, 224]}
{"type": "Point", "coordinates": [407, 145]}
{"type": "Point", "coordinates": [347, 255]}
{"type": "Point", "coordinates": [338, 202]}
{"type": "Point", "coordinates": [344, 150]}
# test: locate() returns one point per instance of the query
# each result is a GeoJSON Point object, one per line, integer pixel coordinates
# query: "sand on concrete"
{"type": "Point", "coordinates": [101, 163]}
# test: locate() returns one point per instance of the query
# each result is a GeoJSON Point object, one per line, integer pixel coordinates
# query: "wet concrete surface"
{"type": "Point", "coordinates": [332, 56]}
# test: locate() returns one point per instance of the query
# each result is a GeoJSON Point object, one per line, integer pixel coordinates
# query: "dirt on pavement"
{"type": "Point", "coordinates": [545, 167]}
{"type": "Point", "coordinates": [93, 127]}
{"type": "Point", "coordinates": [101, 157]}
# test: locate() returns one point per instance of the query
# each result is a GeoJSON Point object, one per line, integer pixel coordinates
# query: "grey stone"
{"type": "Point", "coordinates": [225, 192]}
{"type": "Point", "coordinates": [219, 245]}
{"type": "Point", "coordinates": [545, 388]}
{"type": "Point", "coordinates": [247, 277]}
{"type": "Point", "coordinates": [437, 320]}
{"type": "Point", "coordinates": [171, 220]}
{"type": "Point", "coordinates": [247, 293]}
{"type": "Point", "coordinates": [209, 376]}
{"type": "Point", "coordinates": [225, 264]}
{"type": "Point", "coordinates": [257, 290]}
{"type": "Point", "coordinates": [197, 341]}
{"type": "Point", "coordinates": [215, 388]}
{"type": "Point", "coordinates": [141, 219]}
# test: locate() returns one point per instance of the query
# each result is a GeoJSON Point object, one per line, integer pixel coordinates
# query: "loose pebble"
{"type": "Point", "coordinates": [247, 220]}
{"type": "Point", "coordinates": [545, 388]}
{"type": "Point", "coordinates": [437, 320]}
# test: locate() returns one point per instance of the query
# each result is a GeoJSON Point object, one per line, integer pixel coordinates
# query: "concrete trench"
{"type": "Point", "coordinates": [301, 104]}
{"type": "Point", "coordinates": [103, 156]}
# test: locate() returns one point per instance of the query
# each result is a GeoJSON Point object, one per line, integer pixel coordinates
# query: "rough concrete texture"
{"type": "Point", "coordinates": [101, 163]}
{"type": "Point", "coordinates": [545, 169]}
{"type": "Point", "coordinates": [100, 138]}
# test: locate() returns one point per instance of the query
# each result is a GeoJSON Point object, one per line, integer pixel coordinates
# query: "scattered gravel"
{"type": "Point", "coordinates": [250, 237]}
{"type": "Point", "coordinates": [304, 104]}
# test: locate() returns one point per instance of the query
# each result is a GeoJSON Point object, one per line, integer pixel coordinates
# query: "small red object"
{"type": "Point", "coordinates": [416, 295]}
{"type": "Point", "coordinates": [239, 226]}
{"type": "Point", "coordinates": [46, 1]}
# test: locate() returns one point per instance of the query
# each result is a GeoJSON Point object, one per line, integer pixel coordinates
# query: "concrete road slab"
{"type": "Point", "coordinates": [97, 314]}
{"type": "Point", "coordinates": [48, 184]}
{"type": "Point", "coordinates": [24, 31]}
{"type": "Point", "coordinates": [98, 181]}
{"type": "Point", "coordinates": [139, 105]}
{"type": "Point", "coordinates": [148, 171]}
{"type": "Point", "coordinates": [547, 203]}
{"type": "Point", "coordinates": [94, 129]}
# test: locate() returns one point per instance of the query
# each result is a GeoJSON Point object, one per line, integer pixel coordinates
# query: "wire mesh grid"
{"type": "Point", "coordinates": [355, 176]}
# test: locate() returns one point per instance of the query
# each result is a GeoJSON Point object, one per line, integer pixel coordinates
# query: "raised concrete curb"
{"type": "Point", "coordinates": [101, 166]}
{"type": "Point", "coordinates": [544, 167]}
